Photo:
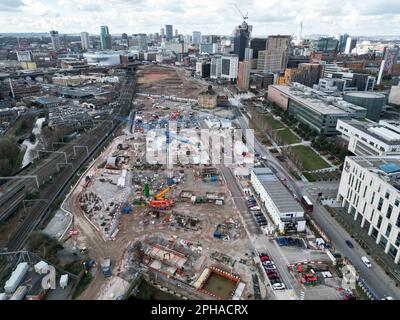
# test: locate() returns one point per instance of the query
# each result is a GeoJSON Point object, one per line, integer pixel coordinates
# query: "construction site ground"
{"type": "Point", "coordinates": [166, 80]}
{"type": "Point", "coordinates": [140, 224]}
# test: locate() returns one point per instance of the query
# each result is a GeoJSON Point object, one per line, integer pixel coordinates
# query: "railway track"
{"type": "Point", "coordinates": [39, 209]}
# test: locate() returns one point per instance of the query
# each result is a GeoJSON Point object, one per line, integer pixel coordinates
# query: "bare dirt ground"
{"type": "Point", "coordinates": [170, 81]}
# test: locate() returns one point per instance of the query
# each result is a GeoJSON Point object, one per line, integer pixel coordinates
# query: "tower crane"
{"type": "Point", "coordinates": [245, 17]}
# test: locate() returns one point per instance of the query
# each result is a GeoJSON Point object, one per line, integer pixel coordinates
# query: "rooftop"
{"type": "Point", "coordinates": [314, 99]}
{"type": "Point", "coordinates": [386, 131]}
{"type": "Point", "coordinates": [283, 200]}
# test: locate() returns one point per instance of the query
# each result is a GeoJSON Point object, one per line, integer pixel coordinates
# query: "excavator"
{"type": "Point", "coordinates": [160, 195]}
{"type": "Point", "coordinates": [160, 202]}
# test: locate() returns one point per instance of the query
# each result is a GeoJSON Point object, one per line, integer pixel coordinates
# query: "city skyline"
{"type": "Point", "coordinates": [209, 17]}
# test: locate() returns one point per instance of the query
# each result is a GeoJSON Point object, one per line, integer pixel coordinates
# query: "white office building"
{"type": "Point", "coordinates": [284, 210]}
{"type": "Point", "coordinates": [369, 190]}
{"type": "Point", "coordinates": [368, 138]}
{"type": "Point", "coordinates": [85, 40]}
{"type": "Point", "coordinates": [224, 67]}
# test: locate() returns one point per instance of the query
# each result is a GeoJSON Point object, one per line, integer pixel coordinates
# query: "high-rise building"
{"type": "Point", "coordinates": [196, 37]}
{"type": "Point", "coordinates": [325, 44]}
{"type": "Point", "coordinates": [248, 54]}
{"type": "Point", "coordinates": [275, 57]}
{"type": "Point", "coordinates": [241, 41]}
{"type": "Point", "coordinates": [85, 40]}
{"type": "Point", "coordinates": [187, 39]}
{"type": "Point", "coordinates": [342, 42]}
{"type": "Point", "coordinates": [350, 45]}
{"type": "Point", "coordinates": [162, 32]}
{"type": "Point", "coordinates": [55, 40]}
{"type": "Point", "coordinates": [243, 81]}
{"type": "Point", "coordinates": [168, 31]}
{"type": "Point", "coordinates": [224, 67]}
{"type": "Point", "coordinates": [258, 44]}
{"type": "Point", "coordinates": [105, 38]}
{"type": "Point", "coordinates": [139, 41]}
{"type": "Point", "coordinates": [176, 32]}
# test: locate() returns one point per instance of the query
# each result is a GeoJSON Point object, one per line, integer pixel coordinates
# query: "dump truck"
{"type": "Point", "coordinates": [106, 267]}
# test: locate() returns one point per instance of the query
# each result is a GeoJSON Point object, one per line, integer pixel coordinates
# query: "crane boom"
{"type": "Point", "coordinates": [241, 13]}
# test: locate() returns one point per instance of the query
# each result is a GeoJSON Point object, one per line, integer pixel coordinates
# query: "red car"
{"type": "Point", "coordinates": [265, 258]}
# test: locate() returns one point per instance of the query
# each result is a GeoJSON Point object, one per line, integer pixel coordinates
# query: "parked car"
{"type": "Point", "coordinates": [366, 262]}
{"type": "Point", "coordinates": [278, 286]}
{"type": "Point", "coordinates": [258, 214]}
{"type": "Point", "coordinates": [262, 223]}
{"type": "Point", "coordinates": [270, 267]}
{"type": "Point", "coordinates": [268, 263]}
{"type": "Point", "coordinates": [256, 208]}
{"type": "Point", "coordinates": [265, 258]}
{"type": "Point", "coordinates": [273, 277]}
{"type": "Point", "coordinates": [349, 244]}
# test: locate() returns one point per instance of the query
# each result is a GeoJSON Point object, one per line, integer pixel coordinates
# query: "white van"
{"type": "Point", "coordinates": [366, 262]}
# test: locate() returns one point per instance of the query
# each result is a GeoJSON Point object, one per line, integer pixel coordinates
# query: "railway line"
{"type": "Point", "coordinates": [95, 140]}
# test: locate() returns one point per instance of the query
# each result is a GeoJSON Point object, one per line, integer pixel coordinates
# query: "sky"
{"type": "Point", "coordinates": [355, 17]}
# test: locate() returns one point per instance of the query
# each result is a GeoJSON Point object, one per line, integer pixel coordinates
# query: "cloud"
{"type": "Point", "coordinates": [209, 16]}
{"type": "Point", "coordinates": [11, 5]}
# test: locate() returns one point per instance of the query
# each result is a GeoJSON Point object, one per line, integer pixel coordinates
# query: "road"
{"type": "Point", "coordinates": [381, 284]}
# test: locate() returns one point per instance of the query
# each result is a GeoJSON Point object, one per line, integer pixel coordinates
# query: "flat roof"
{"type": "Point", "coordinates": [364, 94]}
{"type": "Point", "coordinates": [310, 101]}
{"type": "Point", "coordinates": [388, 132]}
{"type": "Point", "coordinates": [282, 198]}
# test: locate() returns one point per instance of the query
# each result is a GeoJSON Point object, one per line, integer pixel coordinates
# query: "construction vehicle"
{"type": "Point", "coordinates": [161, 204]}
{"type": "Point", "coordinates": [106, 267]}
{"type": "Point", "coordinates": [160, 196]}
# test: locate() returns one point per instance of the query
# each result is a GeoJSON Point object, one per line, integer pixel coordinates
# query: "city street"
{"type": "Point", "coordinates": [375, 277]}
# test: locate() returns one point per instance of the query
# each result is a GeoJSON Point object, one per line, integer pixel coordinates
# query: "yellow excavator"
{"type": "Point", "coordinates": [160, 195]}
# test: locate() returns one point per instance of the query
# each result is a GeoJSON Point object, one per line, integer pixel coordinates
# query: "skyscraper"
{"type": "Point", "coordinates": [55, 40]}
{"type": "Point", "coordinates": [168, 31]}
{"type": "Point", "coordinates": [275, 57]}
{"type": "Point", "coordinates": [258, 44]}
{"type": "Point", "coordinates": [350, 44]}
{"type": "Point", "coordinates": [241, 41]}
{"type": "Point", "coordinates": [243, 81]}
{"type": "Point", "coordinates": [162, 32]}
{"type": "Point", "coordinates": [85, 40]}
{"type": "Point", "coordinates": [343, 42]}
{"type": "Point", "coordinates": [105, 38]}
{"type": "Point", "coordinates": [196, 37]}
{"type": "Point", "coordinates": [139, 41]}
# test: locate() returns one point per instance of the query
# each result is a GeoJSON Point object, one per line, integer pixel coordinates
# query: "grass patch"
{"type": "Point", "coordinates": [275, 124]}
{"type": "Point", "coordinates": [287, 136]}
{"type": "Point", "coordinates": [309, 159]}
{"type": "Point", "coordinates": [311, 177]}
{"type": "Point", "coordinates": [82, 285]}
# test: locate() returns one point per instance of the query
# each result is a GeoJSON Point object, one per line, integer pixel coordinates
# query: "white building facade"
{"type": "Point", "coordinates": [284, 210]}
{"type": "Point", "coordinates": [371, 138]}
{"type": "Point", "coordinates": [369, 190]}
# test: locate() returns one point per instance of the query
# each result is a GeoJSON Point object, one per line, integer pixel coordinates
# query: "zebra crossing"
{"type": "Point", "coordinates": [302, 295]}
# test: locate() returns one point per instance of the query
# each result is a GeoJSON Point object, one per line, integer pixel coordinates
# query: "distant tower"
{"type": "Point", "coordinates": [299, 30]}
{"type": "Point", "coordinates": [55, 40]}
{"type": "Point", "coordinates": [85, 40]}
{"type": "Point", "coordinates": [105, 38]}
{"type": "Point", "coordinates": [168, 31]}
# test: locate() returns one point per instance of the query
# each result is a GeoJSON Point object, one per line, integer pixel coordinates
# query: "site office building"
{"type": "Point", "coordinates": [369, 190]}
{"type": "Point", "coordinates": [284, 210]}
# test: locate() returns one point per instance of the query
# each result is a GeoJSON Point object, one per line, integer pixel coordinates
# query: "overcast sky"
{"type": "Point", "coordinates": [356, 17]}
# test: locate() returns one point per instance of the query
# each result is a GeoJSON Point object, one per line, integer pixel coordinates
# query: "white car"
{"type": "Point", "coordinates": [255, 208]}
{"type": "Point", "coordinates": [278, 286]}
{"type": "Point", "coordinates": [366, 262]}
{"type": "Point", "coordinates": [387, 298]}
